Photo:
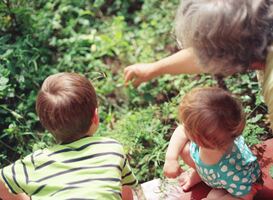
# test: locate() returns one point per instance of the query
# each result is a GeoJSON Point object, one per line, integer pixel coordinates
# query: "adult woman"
{"type": "Point", "coordinates": [220, 37]}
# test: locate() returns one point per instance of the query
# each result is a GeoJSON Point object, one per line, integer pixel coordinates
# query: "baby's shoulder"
{"type": "Point", "coordinates": [239, 163]}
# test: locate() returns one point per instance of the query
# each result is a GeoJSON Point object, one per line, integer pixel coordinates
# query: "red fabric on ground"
{"type": "Point", "coordinates": [198, 192]}
{"type": "Point", "coordinates": [264, 152]}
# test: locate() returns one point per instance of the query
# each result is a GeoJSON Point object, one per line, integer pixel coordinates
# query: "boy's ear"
{"type": "Point", "coordinates": [95, 119]}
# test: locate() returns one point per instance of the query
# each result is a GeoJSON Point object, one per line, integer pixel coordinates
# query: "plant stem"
{"type": "Point", "coordinates": [9, 147]}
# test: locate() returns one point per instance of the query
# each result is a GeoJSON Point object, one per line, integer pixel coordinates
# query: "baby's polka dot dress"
{"type": "Point", "coordinates": [236, 171]}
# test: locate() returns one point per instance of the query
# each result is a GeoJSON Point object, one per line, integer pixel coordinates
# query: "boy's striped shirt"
{"type": "Point", "coordinates": [90, 168]}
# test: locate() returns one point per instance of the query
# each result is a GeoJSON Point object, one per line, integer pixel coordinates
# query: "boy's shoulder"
{"type": "Point", "coordinates": [94, 143]}
{"type": "Point", "coordinates": [84, 146]}
{"type": "Point", "coordinates": [87, 145]}
{"type": "Point", "coordinates": [93, 140]}
{"type": "Point", "coordinates": [100, 138]}
{"type": "Point", "coordinates": [44, 166]}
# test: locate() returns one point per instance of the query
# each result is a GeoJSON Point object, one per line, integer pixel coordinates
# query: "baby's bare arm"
{"type": "Point", "coordinates": [177, 143]}
{"type": "Point", "coordinates": [6, 195]}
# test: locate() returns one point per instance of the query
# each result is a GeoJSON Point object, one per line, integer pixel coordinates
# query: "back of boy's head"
{"type": "Point", "coordinates": [212, 118]}
{"type": "Point", "coordinates": [226, 35]}
{"type": "Point", "coordinates": [66, 105]}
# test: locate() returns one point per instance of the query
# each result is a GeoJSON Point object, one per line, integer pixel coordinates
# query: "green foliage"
{"type": "Point", "coordinates": [99, 38]}
{"type": "Point", "coordinates": [142, 133]}
{"type": "Point", "coordinates": [246, 87]}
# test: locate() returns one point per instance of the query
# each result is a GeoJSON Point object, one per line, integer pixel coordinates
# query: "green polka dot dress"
{"type": "Point", "coordinates": [236, 171]}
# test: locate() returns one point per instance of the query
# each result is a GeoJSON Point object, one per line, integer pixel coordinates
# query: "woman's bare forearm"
{"type": "Point", "coordinates": [182, 62]}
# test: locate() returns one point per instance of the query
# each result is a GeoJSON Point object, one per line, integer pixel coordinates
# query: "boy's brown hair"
{"type": "Point", "coordinates": [212, 118]}
{"type": "Point", "coordinates": [226, 35]}
{"type": "Point", "coordinates": [66, 105]}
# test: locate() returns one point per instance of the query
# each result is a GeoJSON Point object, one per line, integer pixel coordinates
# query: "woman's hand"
{"type": "Point", "coordinates": [138, 73]}
{"type": "Point", "coordinates": [182, 62]}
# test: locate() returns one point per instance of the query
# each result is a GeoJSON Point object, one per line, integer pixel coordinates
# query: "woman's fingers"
{"type": "Point", "coordinates": [129, 75]}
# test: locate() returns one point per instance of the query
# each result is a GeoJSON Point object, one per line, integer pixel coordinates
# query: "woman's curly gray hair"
{"type": "Point", "coordinates": [227, 36]}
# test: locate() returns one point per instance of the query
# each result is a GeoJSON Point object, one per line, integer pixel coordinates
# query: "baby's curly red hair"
{"type": "Point", "coordinates": [212, 118]}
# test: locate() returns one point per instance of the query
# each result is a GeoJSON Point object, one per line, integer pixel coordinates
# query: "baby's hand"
{"type": "Point", "coordinates": [172, 168]}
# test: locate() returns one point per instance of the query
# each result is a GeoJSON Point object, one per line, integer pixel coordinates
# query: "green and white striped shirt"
{"type": "Point", "coordinates": [90, 168]}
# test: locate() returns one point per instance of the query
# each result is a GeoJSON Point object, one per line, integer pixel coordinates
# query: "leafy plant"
{"type": "Point", "coordinates": [142, 133]}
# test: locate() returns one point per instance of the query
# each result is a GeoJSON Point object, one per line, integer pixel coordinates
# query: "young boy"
{"type": "Point", "coordinates": [209, 140]}
{"type": "Point", "coordinates": [81, 166]}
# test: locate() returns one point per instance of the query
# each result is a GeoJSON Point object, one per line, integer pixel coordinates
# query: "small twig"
{"type": "Point", "coordinates": [220, 81]}
{"type": "Point", "coordinates": [13, 16]}
{"type": "Point", "coordinates": [14, 27]}
{"type": "Point", "coordinates": [3, 1]}
{"type": "Point", "coordinates": [252, 111]}
{"type": "Point", "coordinates": [9, 147]}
